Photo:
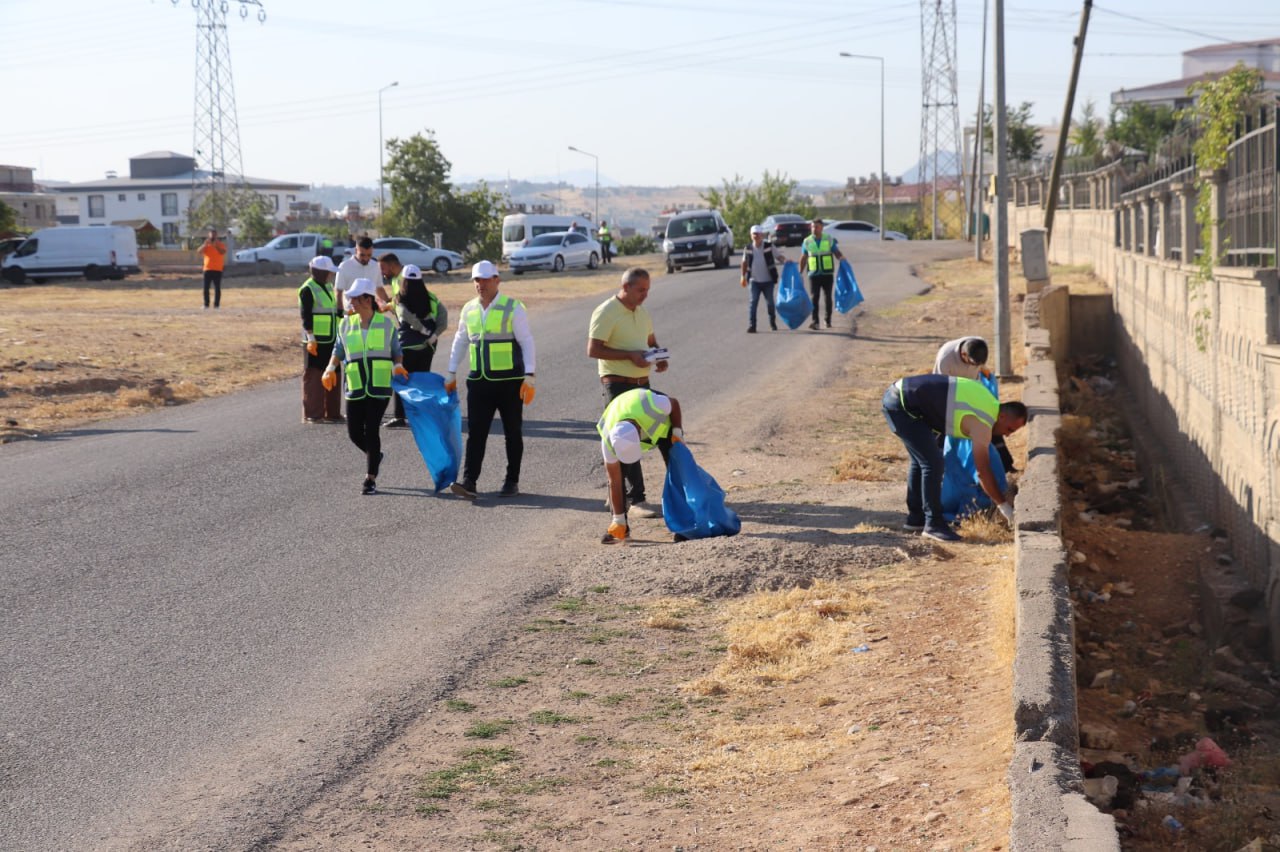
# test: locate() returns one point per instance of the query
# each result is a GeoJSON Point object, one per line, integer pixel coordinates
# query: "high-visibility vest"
{"type": "Point", "coordinates": [639, 407]}
{"type": "Point", "coordinates": [604, 234]}
{"type": "Point", "coordinates": [495, 353]}
{"type": "Point", "coordinates": [411, 338]}
{"type": "Point", "coordinates": [819, 251]}
{"type": "Point", "coordinates": [944, 401]}
{"type": "Point", "coordinates": [368, 363]}
{"type": "Point", "coordinates": [324, 309]}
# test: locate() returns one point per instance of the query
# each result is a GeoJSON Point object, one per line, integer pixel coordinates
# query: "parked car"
{"type": "Point", "coordinates": [695, 237]}
{"type": "Point", "coordinates": [408, 250]}
{"type": "Point", "coordinates": [856, 229]}
{"type": "Point", "coordinates": [786, 229]}
{"type": "Point", "coordinates": [293, 250]}
{"type": "Point", "coordinates": [556, 251]}
{"type": "Point", "coordinates": [10, 244]}
{"type": "Point", "coordinates": [92, 251]}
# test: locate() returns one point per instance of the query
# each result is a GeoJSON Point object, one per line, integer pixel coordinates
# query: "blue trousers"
{"type": "Point", "coordinates": [924, 481]}
{"type": "Point", "coordinates": [758, 290]}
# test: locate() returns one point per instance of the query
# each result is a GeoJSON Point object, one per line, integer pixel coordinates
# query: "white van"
{"type": "Point", "coordinates": [519, 228]}
{"type": "Point", "coordinates": [96, 252]}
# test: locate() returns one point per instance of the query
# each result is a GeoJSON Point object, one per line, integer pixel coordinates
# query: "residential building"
{"type": "Point", "coordinates": [32, 205]}
{"type": "Point", "coordinates": [1208, 63]}
{"type": "Point", "coordinates": [158, 190]}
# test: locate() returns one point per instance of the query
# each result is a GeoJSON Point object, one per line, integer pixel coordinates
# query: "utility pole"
{"type": "Point", "coordinates": [1055, 174]}
{"type": "Point", "coordinates": [1004, 352]}
{"type": "Point", "coordinates": [979, 140]}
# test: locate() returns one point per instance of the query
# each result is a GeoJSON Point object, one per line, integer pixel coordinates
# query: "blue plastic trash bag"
{"type": "Point", "coordinates": [692, 501]}
{"type": "Point", "coordinates": [962, 492]}
{"type": "Point", "coordinates": [848, 295]}
{"type": "Point", "coordinates": [436, 422]}
{"type": "Point", "coordinates": [793, 303]}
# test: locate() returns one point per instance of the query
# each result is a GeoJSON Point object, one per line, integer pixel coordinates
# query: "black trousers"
{"type": "Point", "coordinates": [484, 399]}
{"type": "Point", "coordinates": [633, 474]}
{"type": "Point", "coordinates": [214, 277]}
{"type": "Point", "coordinates": [819, 284]}
{"type": "Point", "coordinates": [415, 361]}
{"type": "Point", "coordinates": [364, 419]}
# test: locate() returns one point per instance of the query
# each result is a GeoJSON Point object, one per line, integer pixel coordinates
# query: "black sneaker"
{"type": "Point", "coordinates": [751, 329]}
{"type": "Point", "coordinates": [465, 489]}
{"type": "Point", "coordinates": [396, 423]}
{"type": "Point", "coordinates": [813, 325]}
{"type": "Point", "coordinates": [941, 534]}
{"type": "Point", "coordinates": [828, 323]}
{"type": "Point", "coordinates": [370, 487]}
{"type": "Point", "coordinates": [913, 525]}
{"type": "Point", "coordinates": [773, 324]}
{"type": "Point", "coordinates": [509, 489]}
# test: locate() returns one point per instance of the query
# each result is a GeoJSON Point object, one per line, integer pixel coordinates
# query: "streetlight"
{"type": "Point", "coordinates": [597, 159]}
{"type": "Point", "coordinates": [880, 179]}
{"type": "Point", "coordinates": [382, 202]}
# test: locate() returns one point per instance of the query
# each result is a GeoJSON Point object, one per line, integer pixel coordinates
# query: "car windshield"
{"type": "Point", "coordinates": [699, 227]}
{"type": "Point", "coordinates": [547, 240]}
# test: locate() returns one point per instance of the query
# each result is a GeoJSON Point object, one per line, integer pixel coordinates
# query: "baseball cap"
{"type": "Point", "coordinates": [411, 271]}
{"type": "Point", "coordinates": [361, 287]}
{"type": "Point", "coordinates": [756, 229]}
{"type": "Point", "coordinates": [483, 269]}
{"type": "Point", "coordinates": [625, 440]}
{"type": "Point", "coordinates": [324, 264]}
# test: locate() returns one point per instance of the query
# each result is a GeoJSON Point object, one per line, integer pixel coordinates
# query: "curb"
{"type": "Point", "coordinates": [1046, 785]}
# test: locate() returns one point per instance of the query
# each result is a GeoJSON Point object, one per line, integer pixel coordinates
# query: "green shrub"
{"type": "Point", "coordinates": [636, 244]}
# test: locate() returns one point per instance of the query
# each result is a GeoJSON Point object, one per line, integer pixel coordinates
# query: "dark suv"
{"type": "Point", "coordinates": [786, 229]}
{"type": "Point", "coordinates": [695, 237]}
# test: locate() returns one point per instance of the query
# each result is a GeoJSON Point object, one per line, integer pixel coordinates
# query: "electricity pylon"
{"type": "Point", "coordinates": [940, 148]}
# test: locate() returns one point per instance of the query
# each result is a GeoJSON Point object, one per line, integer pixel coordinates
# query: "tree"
{"type": "Point", "coordinates": [234, 205]}
{"type": "Point", "coordinates": [1087, 131]}
{"type": "Point", "coordinates": [743, 205]}
{"type": "Point", "coordinates": [1141, 126]}
{"type": "Point", "coordinates": [1023, 142]}
{"type": "Point", "coordinates": [423, 201]}
{"type": "Point", "coordinates": [8, 219]}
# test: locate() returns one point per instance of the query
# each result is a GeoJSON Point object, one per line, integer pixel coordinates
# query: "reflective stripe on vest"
{"type": "Point", "coordinates": [324, 309]}
{"type": "Point", "coordinates": [495, 353]}
{"type": "Point", "coordinates": [639, 407]}
{"type": "Point", "coordinates": [819, 251]}
{"type": "Point", "coordinates": [368, 362]}
{"type": "Point", "coordinates": [965, 397]}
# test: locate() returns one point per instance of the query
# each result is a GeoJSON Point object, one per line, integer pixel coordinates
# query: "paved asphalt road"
{"type": "Point", "coordinates": [204, 622]}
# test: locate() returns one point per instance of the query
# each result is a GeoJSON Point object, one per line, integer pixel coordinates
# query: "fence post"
{"type": "Point", "coordinates": [1186, 191]}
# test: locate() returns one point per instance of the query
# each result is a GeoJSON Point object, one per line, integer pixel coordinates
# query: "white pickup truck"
{"type": "Point", "coordinates": [295, 251]}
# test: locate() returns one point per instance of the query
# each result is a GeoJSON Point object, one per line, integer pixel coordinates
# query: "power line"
{"type": "Point", "coordinates": [1165, 26]}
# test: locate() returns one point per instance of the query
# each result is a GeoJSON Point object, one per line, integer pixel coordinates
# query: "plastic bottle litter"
{"type": "Point", "coordinates": [1171, 823]}
{"type": "Point", "coordinates": [861, 649]}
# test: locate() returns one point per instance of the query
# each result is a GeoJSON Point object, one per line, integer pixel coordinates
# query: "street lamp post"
{"type": "Point", "coordinates": [880, 178]}
{"type": "Point", "coordinates": [382, 201]}
{"type": "Point", "coordinates": [597, 159]}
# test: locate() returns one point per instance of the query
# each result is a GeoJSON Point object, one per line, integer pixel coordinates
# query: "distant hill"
{"type": "Point", "coordinates": [948, 164]}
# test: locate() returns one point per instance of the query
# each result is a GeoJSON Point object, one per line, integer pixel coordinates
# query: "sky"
{"type": "Point", "coordinates": [662, 92]}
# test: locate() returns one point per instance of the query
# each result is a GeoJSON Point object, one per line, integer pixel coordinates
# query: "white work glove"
{"type": "Point", "coordinates": [431, 340]}
{"type": "Point", "coordinates": [1006, 509]}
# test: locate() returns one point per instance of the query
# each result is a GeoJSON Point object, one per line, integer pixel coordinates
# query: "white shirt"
{"type": "Point", "coordinates": [519, 327]}
{"type": "Point", "coordinates": [351, 269]}
{"type": "Point", "coordinates": [949, 362]}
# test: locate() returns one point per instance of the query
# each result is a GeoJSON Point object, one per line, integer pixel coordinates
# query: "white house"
{"type": "Point", "coordinates": [157, 189]}
{"type": "Point", "coordinates": [33, 207]}
{"type": "Point", "coordinates": [1208, 63]}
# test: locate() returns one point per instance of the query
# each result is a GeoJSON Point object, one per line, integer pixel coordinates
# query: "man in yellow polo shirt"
{"type": "Point", "coordinates": [621, 339]}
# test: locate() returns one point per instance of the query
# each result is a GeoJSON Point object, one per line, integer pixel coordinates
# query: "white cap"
{"type": "Point", "coordinates": [411, 271]}
{"type": "Point", "coordinates": [361, 287]}
{"type": "Point", "coordinates": [662, 402]}
{"type": "Point", "coordinates": [625, 440]}
{"type": "Point", "coordinates": [756, 229]}
{"type": "Point", "coordinates": [484, 269]}
{"type": "Point", "coordinates": [324, 264]}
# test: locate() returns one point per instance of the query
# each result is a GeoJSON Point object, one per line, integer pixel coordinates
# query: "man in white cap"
{"type": "Point", "coordinates": [760, 268]}
{"type": "Point", "coordinates": [320, 314]}
{"type": "Point", "coordinates": [632, 423]}
{"type": "Point", "coordinates": [493, 329]}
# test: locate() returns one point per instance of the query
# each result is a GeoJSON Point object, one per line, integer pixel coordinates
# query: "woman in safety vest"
{"type": "Point", "coordinates": [369, 350]}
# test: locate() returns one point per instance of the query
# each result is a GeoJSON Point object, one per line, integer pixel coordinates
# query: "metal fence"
{"type": "Point", "coordinates": [1249, 228]}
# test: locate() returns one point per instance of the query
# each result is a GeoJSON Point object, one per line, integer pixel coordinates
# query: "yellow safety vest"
{"type": "Point", "coordinates": [324, 309]}
{"type": "Point", "coordinates": [495, 353]}
{"type": "Point", "coordinates": [639, 407]}
{"type": "Point", "coordinates": [368, 362]}
{"type": "Point", "coordinates": [819, 251]}
{"type": "Point", "coordinates": [967, 397]}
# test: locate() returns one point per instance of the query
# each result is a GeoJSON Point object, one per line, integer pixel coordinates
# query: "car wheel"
{"type": "Point", "coordinates": [722, 262]}
{"type": "Point", "coordinates": [14, 275]}
{"type": "Point", "coordinates": [593, 261]}
{"type": "Point", "coordinates": [517, 272]}
{"type": "Point", "coordinates": [558, 264]}
{"type": "Point", "coordinates": [441, 265]}
{"type": "Point", "coordinates": [92, 273]}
